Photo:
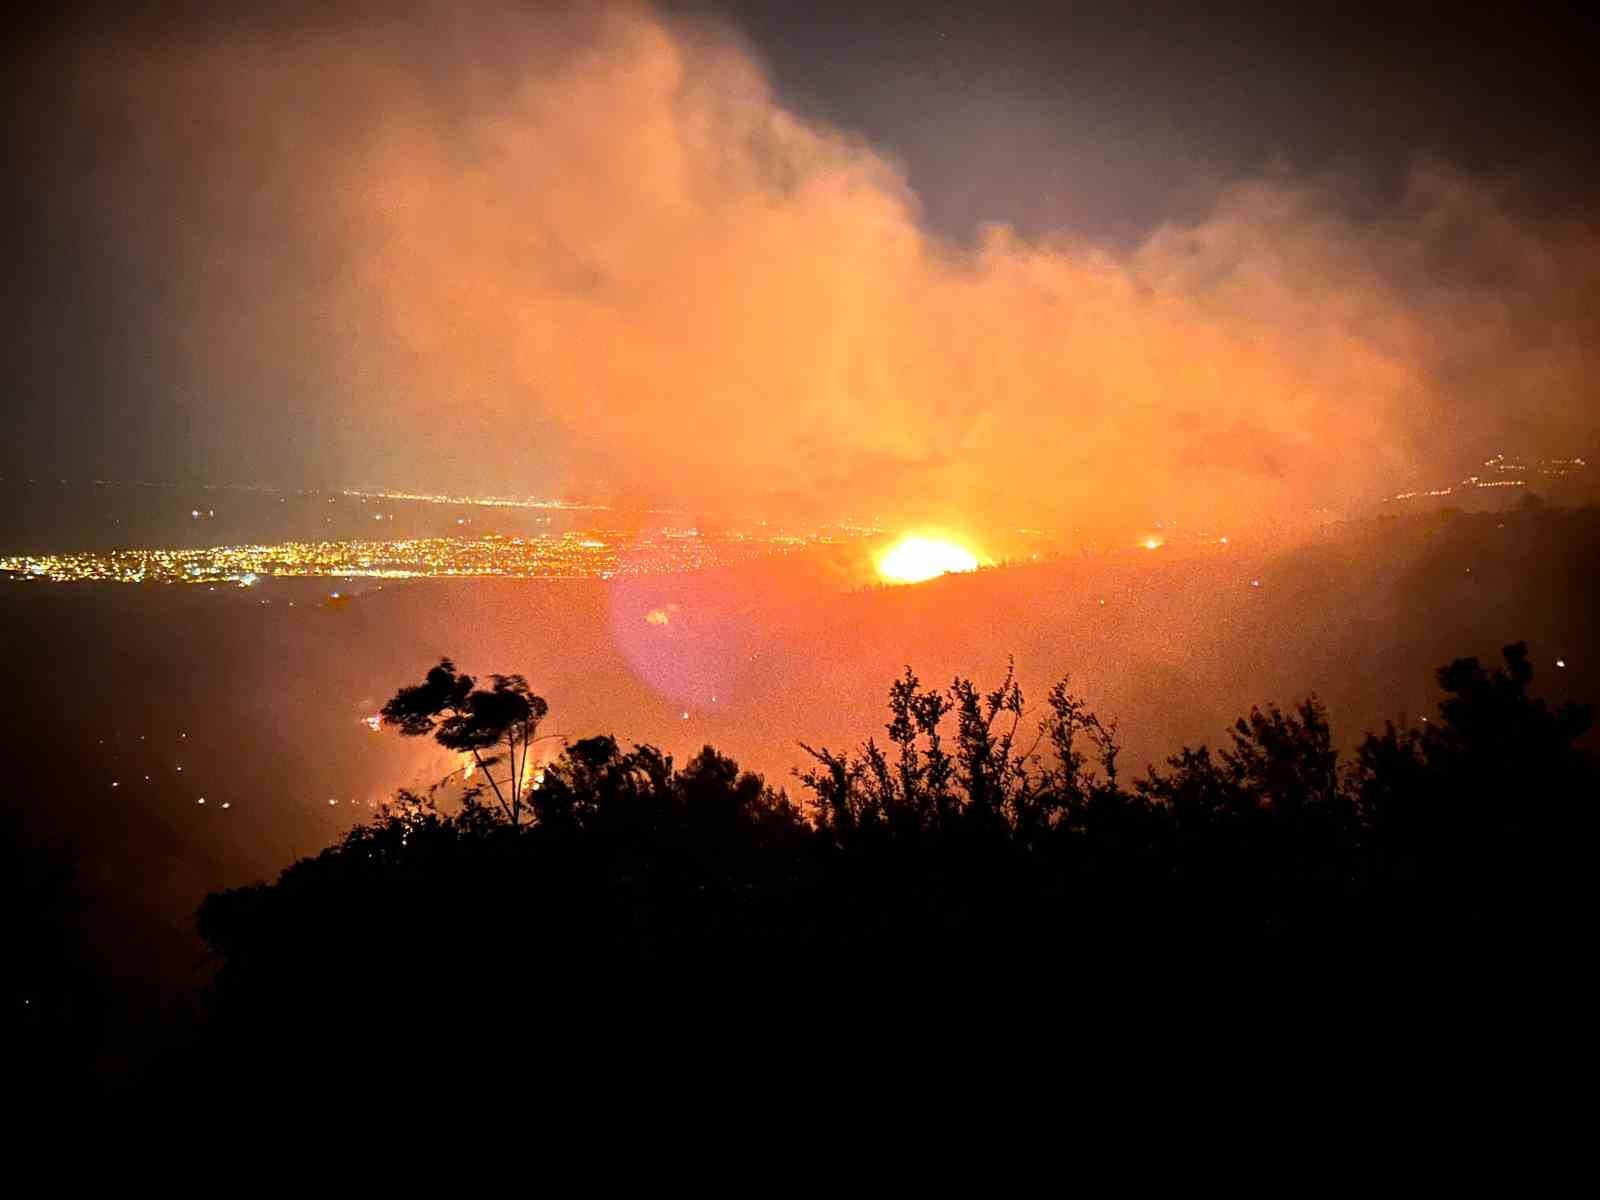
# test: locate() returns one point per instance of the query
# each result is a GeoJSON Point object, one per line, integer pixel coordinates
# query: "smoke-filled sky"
{"type": "Point", "coordinates": [1067, 264]}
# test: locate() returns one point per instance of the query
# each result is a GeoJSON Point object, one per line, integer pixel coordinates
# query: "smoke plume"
{"type": "Point", "coordinates": [586, 250]}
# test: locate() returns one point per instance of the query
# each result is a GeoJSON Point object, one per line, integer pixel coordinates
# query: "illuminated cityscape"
{"type": "Point", "coordinates": [591, 553]}
{"type": "Point", "coordinates": [594, 554]}
{"type": "Point", "coordinates": [1501, 471]}
{"type": "Point", "coordinates": [476, 501]}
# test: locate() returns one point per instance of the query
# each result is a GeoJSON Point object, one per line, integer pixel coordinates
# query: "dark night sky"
{"type": "Point", "coordinates": [1092, 121]}
{"type": "Point", "coordinates": [1107, 117]}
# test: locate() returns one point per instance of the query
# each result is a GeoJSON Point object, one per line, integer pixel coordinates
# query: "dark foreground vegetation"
{"type": "Point", "coordinates": [986, 870]}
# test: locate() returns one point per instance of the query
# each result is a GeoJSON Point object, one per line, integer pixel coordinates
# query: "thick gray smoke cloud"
{"type": "Point", "coordinates": [588, 251]}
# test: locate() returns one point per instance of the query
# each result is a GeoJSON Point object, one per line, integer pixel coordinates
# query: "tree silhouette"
{"type": "Point", "coordinates": [468, 719]}
{"type": "Point", "coordinates": [628, 903]}
{"type": "Point", "coordinates": [1478, 825]}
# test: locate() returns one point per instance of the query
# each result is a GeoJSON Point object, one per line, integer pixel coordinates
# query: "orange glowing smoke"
{"type": "Point", "coordinates": [623, 239]}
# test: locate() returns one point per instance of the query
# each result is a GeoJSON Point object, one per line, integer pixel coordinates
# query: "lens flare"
{"type": "Point", "coordinates": [915, 559]}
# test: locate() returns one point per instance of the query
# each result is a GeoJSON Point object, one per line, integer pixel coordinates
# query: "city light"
{"type": "Point", "coordinates": [594, 554]}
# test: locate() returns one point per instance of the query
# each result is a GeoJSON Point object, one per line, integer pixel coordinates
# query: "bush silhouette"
{"type": "Point", "coordinates": [644, 904]}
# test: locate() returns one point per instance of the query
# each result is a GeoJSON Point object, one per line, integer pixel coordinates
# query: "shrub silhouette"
{"type": "Point", "coordinates": [642, 900]}
{"type": "Point", "coordinates": [54, 1009]}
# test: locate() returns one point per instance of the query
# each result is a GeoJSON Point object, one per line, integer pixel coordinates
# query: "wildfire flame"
{"type": "Point", "coordinates": [914, 559]}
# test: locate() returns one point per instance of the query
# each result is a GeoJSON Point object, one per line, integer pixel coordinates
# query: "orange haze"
{"type": "Point", "coordinates": [585, 250]}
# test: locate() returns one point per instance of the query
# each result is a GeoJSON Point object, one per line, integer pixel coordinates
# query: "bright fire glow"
{"type": "Point", "coordinates": [914, 559]}
{"type": "Point", "coordinates": [1153, 543]}
{"type": "Point", "coordinates": [661, 616]}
